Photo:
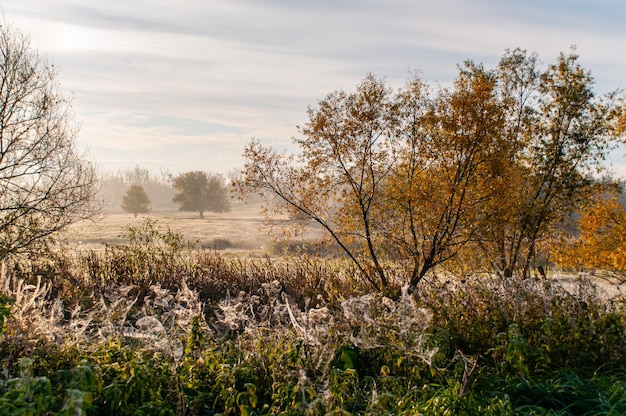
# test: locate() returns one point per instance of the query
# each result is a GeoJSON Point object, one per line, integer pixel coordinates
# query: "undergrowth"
{"type": "Point", "coordinates": [155, 328]}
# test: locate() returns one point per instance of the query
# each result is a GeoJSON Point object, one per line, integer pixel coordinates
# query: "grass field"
{"type": "Point", "coordinates": [243, 231]}
{"type": "Point", "coordinates": [152, 329]}
{"type": "Point", "coordinates": [243, 228]}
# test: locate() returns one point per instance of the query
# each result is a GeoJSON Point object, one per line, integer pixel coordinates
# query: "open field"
{"type": "Point", "coordinates": [243, 228]}
{"type": "Point", "coordinates": [147, 330]}
{"type": "Point", "coordinates": [152, 329]}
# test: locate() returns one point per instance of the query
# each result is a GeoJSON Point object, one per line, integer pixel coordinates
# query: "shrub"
{"type": "Point", "coordinates": [150, 327]}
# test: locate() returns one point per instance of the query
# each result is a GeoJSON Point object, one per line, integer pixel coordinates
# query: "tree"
{"type": "Point", "coordinates": [601, 241]}
{"type": "Point", "coordinates": [388, 176]}
{"type": "Point", "coordinates": [136, 200]}
{"type": "Point", "coordinates": [137, 176]}
{"type": "Point", "coordinates": [199, 191]}
{"type": "Point", "coordinates": [45, 183]}
{"type": "Point", "coordinates": [447, 171]}
{"type": "Point", "coordinates": [157, 187]}
{"type": "Point", "coordinates": [558, 134]}
{"type": "Point", "coordinates": [490, 165]}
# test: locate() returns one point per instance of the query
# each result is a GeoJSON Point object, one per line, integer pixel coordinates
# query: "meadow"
{"type": "Point", "coordinates": [150, 324]}
{"type": "Point", "coordinates": [243, 227]}
{"type": "Point", "coordinates": [242, 230]}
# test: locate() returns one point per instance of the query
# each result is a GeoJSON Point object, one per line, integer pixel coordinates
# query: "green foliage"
{"type": "Point", "coordinates": [27, 394]}
{"type": "Point", "coordinates": [134, 382]}
{"type": "Point", "coordinates": [136, 200]}
{"type": "Point", "coordinates": [542, 326]}
{"type": "Point", "coordinates": [199, 191]}
{"type": "Point", "coordinates": [173, 331]}
{"type": "Point", "coordinates": [346, 358]}
{"type": "Point", "coordinates": [5, 309]}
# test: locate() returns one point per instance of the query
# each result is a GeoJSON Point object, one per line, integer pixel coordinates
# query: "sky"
{"type": "Point", "coordinates": [173, 86]}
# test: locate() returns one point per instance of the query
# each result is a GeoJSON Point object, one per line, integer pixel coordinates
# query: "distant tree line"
{"type": "Point", "coordinates": [137, 191]}
{"type": "Point", "coordinates": [157, 187]}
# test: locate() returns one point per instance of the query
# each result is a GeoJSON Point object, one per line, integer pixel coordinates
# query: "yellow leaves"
{"type": "Point", "coordinates": [421, 174]}
{"type": "Point", "coordinates": [602, 240]}
{"type": "Point", "coordinates": [619, 124]}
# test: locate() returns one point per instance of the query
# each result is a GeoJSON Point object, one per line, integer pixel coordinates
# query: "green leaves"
{"type": "Point", "coordinates": [136, 200]}
{"type": "Point", "coordinates": [5, 309]}
{"type": "Point", "coordinates": [30, 395]}
{"type": "Point", "coordinates": [199, 191]}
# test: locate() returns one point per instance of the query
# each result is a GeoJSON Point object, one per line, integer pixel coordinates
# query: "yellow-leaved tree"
{"type": "Point", "coordinates": [601, 242]}
{"type": "Point", "coordinates": [490, 166]}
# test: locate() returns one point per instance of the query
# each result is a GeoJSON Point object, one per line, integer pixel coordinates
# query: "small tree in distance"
{"type": "Point", "coordinates": [199, 191]}
{"type": "Point", "coordinates": [136, 200]}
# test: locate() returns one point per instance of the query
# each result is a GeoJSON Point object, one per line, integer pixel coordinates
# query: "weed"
{"type": "Point", "coordinates": [154, 327]}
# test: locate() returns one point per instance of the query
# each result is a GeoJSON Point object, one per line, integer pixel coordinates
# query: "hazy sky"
{"type": "Point", "coordinates": [182, 85]}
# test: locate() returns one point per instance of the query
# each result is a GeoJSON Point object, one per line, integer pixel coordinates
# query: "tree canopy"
{"type": "Point", "coordinates": [422, 175]}
{"type": "Point", "coordinates": [200, 191]}
{"type": "Point", "coordinates": [601, 239]}
{"type": "Point", "coordinates": [136, 200]}
{"type": "Point", "coordinates": [45, 183]}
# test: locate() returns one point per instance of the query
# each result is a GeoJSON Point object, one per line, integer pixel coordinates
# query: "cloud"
{"type": "Point", "coordinates": [165, 81]}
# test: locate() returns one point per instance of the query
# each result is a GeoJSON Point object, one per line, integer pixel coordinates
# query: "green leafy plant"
{"type": "Point", "coordinates": [5, 309]}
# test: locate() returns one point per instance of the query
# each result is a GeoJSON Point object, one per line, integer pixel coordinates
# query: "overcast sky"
{"type": "Point", "coordinates": [184, 85]}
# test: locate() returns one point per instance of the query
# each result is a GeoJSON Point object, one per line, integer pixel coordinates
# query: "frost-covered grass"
{"type": "Point", "coordinates": [150, 327]}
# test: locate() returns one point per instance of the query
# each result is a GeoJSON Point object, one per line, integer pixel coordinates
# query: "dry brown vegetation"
{"type": "Point", "coordinates": [243, 229]}
{"type": "Point", "coordinates": [149, 327]}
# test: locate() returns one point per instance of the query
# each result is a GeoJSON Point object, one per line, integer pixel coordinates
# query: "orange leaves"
{"type": "Point", "coordinates": [602, 239]}
{"type": "Point", "coordinates": [419, 174]}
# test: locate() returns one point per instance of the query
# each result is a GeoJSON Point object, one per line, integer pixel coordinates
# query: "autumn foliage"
{"type": "Point", "coordinates": [489, 168]}
{"type": "Point", "coordinates": [602, 238]}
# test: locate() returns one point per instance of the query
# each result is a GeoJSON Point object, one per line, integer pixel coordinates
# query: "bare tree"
{"type": "Point", "coordinates": [45, 183]}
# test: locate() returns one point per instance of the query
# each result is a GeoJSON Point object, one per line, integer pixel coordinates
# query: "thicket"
{"type": "Point", "coordinates": [152, 327]}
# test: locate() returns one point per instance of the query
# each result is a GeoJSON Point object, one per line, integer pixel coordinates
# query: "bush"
{"type": "Point", "coordinates": [149, 327]}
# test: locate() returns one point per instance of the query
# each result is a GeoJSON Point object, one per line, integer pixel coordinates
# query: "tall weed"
{"type": "Point", "coordinates": [154, 327]}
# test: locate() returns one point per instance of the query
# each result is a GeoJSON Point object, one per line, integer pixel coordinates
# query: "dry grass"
{"type": "Point", "coordinates": [193, 332]}
{"type": "Point", "coordinates": [243, 228]}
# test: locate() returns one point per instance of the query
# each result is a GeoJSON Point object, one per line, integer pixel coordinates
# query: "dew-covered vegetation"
{"type": "Point", "coordinates": [153, 327]}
